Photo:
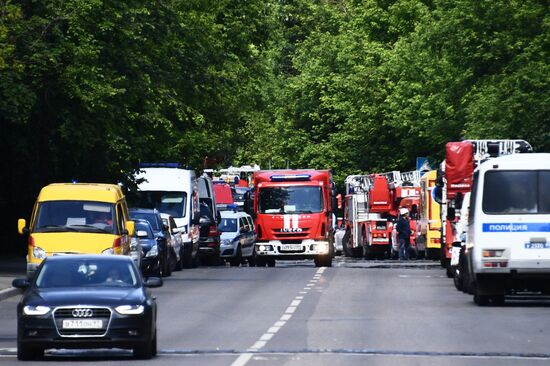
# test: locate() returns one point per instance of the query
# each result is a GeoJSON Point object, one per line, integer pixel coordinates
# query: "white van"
{"type": "Point", "coordinates": [173, 191]}
{"type": "Point", "coordinates": [508, 238]}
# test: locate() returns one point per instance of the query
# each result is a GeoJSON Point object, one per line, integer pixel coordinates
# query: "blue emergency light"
{"type": "Point", "coordinates": [160, 165]}
{"type": "Point", "coordinates": [290, 177]}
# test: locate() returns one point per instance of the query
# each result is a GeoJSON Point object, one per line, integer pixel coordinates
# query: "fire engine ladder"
{"type": "Point", "coordinates": [487, 149]}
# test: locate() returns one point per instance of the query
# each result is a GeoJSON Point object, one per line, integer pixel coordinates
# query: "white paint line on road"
{"type": "Point", "coordinates": [266, 337]}
{"type": "Point", "coordinates": [242, 359]}
{"type": "Point", "coordinates": [290, 310]}
{"type": "Point", "coordinates": [286, 317]}
{"type": "Point", "coordinates": [295, 303]}
{"type": "Point", "coordinates": [258, 345]}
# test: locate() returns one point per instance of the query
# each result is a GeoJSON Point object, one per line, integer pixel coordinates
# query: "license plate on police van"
{"type": "Point", "coordinates": [82, 324]}
{"type": "Point", "coordinates": [291, 247]}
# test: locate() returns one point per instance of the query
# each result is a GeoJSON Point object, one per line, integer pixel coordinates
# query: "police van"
{"type": "Point", "coordinates": [508, 232]}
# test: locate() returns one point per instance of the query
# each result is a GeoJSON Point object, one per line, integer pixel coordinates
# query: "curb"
{"type": "Point", "coordinates": [9, 292]}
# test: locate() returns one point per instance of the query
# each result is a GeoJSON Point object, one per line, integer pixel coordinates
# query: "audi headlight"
{"type": "Point", "coordinates": [153, 252]}
{"type": "Point", "coordinates": [130, 309]}
{"type": "Point", "coordinates": [35, 310]}
{"type": "Point", "coordinates": [39, 253]}
{"type": "Point", "coordinates": [108, 251]}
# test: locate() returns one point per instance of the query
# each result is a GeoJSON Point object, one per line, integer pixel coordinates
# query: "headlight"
{"type": "Point", "coordinates": [153, 252]}
{"type": "Point", "coordinates": [262, 248]}
{"type": "Point", "coordinates": [108, 251]}
{"type": "Point", "coordinates": [39, 253]}
{"type": "Point", "coordinates": [35, 310]}
{"type": "Point", "coordinates": [226, 242]}
{"type": "Point", "coordinates": [130, 309]}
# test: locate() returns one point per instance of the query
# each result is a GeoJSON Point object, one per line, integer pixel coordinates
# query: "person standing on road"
{"type": "Point", "coordinates": [403, 229]}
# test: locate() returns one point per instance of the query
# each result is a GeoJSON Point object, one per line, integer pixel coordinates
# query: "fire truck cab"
{"type": "Point", "coordinates": [293, 211]}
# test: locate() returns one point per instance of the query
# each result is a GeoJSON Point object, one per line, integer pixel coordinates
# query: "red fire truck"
{"type": "Point", "coordinates": [294, 212]}
{"type": "Point", "coordinates": [371, 205]}
{"type": "Point", "coordinates": [455, 181]}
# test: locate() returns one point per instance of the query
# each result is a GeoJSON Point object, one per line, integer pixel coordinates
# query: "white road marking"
{"type": "Point", "coordinates": [243, 359]}
{"type": "Point", "coordinates": [258, 345]}
{"type": "Point", "coordinates": [286, 317]}
{"type": "Point", "coordinates": [266, 337]}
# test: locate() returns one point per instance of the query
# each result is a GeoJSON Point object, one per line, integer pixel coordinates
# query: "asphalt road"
{"type": "Point", "coordinates": [356, 313]}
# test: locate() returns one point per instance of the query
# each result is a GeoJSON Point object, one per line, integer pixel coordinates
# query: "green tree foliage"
{"type": "Point", "coordinates": [89, 88]}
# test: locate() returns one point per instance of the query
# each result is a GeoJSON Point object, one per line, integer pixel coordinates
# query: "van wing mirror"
{"type": "Point", "coordinates": [21, 226]}
{"type": "Point", "coordinates": [130, 227]}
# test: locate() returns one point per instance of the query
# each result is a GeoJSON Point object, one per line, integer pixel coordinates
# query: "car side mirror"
{"type": "Point", "coordinates": [130, 227]}
{"type": "Point", "coordinates": [153, 282]}
{"type": "Point", "coordinates": [21, 283]}
{"type": "Point", "coordinates": [22, 226]}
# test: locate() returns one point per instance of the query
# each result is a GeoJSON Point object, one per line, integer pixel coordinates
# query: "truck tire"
{"type": "Point", "coordinates": [271, 262]}
{"type": "Point", "coordinates": [345, 242]}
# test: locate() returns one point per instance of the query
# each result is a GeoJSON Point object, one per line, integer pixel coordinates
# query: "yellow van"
{"type": "Point", "coordinates": [77, 218]}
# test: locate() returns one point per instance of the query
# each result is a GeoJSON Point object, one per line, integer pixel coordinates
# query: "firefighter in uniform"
{"type": "Point", "coordinates": [403, 228]}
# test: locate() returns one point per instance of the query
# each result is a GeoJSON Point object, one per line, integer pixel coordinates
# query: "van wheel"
{"type": "Point", "coordinates": [252, 259]}
{"type": "Point", "coordinates": [234, 262]}
{"type": "Point", "coordinates": [481, 300]}
{"type": "Point", "coordinates": [271, 262]}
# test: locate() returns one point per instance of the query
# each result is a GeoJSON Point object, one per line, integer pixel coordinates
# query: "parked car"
{"type": "Point", "coordinates": [151, 260]}
{"type": "Point", "coordinates": [209, 239]}
{"type": "Point", "coordinates": [237, 238]}
{"type": "Point", "coordinates": [177, 241]}
{"type": "Point", "coordinates": [86, 301]}
{"type": "Point", "coordinates": [162, 235]}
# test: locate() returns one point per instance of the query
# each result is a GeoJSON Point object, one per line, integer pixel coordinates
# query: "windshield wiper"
{"type": "Point", "coordinates": [91, 227]}
{"type": "Point", "coordinates": [55, 228]}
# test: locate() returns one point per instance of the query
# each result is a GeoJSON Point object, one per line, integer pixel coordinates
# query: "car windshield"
{"type": "Point", "coordinates": [228, 225]}
{"type": "Point", "coordinates": [83, 216]}
{"type": "Point", "coordinates": [298, 199]}
{"type": "Point", "coordinates": [516, 192]}
{"type": "Point", "coordinates": [147, 228]}
{"type": "Point", "coordinates": [172, 203]}
{"type": "Point", "coordinates": [150, 217]}
{"type": "Point", "coordinates": [87, 273]}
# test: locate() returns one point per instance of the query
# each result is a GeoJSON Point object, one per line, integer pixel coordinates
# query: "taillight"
{"type": "Point", "coordinates": [213, 230]}
{"type": "Point", "coordinates": [117, 243]}
{"type": "Point", "coordinates": [30, 241]}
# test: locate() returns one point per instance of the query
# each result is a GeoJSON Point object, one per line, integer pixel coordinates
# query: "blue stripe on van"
{"type": "Point", "coordinates": [519, 227]}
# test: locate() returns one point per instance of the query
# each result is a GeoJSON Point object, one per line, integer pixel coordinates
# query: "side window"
{"type": "Point", "coordinates": [250, 223]}
{"type": "Point", "coordinates": [242, 225]}
{"type": "Point", "coordinates": [473, 199]}
{"type": "Point", "coordinates": [119, 219]}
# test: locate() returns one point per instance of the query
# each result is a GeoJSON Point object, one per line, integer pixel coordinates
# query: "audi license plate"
{"type": "Point", "coordinates": [291, 247]}
{"type": "Point", "coordinates": [82, 324]}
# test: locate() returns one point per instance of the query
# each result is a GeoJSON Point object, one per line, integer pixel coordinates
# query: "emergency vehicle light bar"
{"type": "Point", "coordinates": [160, 165]}
{"type": "Point", "coordinates": [282, 178]}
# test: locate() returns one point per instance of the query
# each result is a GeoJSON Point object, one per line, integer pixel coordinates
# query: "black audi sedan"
{"type": "Point", "coordinates": [86, 301]}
